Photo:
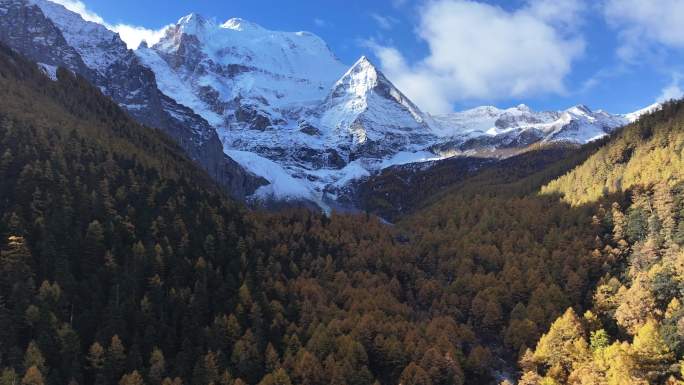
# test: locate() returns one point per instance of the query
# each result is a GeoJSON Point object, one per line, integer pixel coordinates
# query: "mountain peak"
{"type": "Point", "coordinates": [239, 24]}
{"type": "Point", "coordinates": [363, 64]}
{"type": "Point", "coordinates": [360, 79]}
{"type": "Point", "coordinates": [364, 60]}
{"type": "Point", "coordinates": [580, 109]}
{"type": "Point", "coordinates": [366, 105]}
{"type": "Point", "coordinates": [191, 18]}
{"type": "Point", "coordinates": [192, 23]}
{"type": "Point", "coordinates": [523, 107]}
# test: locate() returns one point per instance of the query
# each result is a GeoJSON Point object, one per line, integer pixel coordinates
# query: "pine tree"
{"type": "Point", "coordinates": [663, 204]}
{"type": "Point", "coordinates": [96, 363]}
{"type": "Point", "coordinates": [307, 369]}
{"type": "Point", "coordinates": [206, 370]}
{"type": "Point", "coordinates": [9, 377]}
{"type": "Point", "coordinates": [637, 305]}
{"type": "Point", "coordinates": [15, 263]}
{"type": "Point", "coordinates": [651, 353]}
{"type": "Point", "coordinates": [157, 367]}
{"type": "Point", "coordinates": [33, 376]}
{"type": "Point", "coordinates": [555, 348]}
{"type": "Point", "coordinates": [93, 248]}
{"type": "Point", "coordinates": [133, 378]}
{"type": "Point", "coordinates": [414, 375]}
{"type": "Point", "coordinates": [619, 222]}
{"type": "Point", "coordinates": [246, 358]}
{"type": "Point", "coordinates": [115, 359]}
{"type": "Point", "coordinates": [272, 359]}
{"type": "Point", "coordinates": [34, 358]}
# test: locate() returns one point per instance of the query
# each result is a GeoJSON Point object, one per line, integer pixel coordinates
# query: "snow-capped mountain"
{"type": "Point", "coordinates": [634, 116]}
{"type": "Point", "coordinates": [365, 110]}
{"type": "Point", "coordinates": [240, 75]}
{"type": "Point", "coordinates": [484, 130]}
{"type": "Point", "coordinates": [53, 36]}
{"type": "Point", "coordinates": [280, 104]}
{"type": "Point", "coordinates": [363, 124]}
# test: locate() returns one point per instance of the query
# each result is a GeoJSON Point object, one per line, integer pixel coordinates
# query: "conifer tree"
{"type": "Point", "coordinates": [33, 376]}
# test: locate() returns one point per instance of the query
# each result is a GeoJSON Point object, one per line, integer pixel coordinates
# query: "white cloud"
{"type": "Point", "coordinates": [641, 23]}
{"type": "Point", "coordinates": [481, 51]}
{"type": "Point", "coordinates": [564, 13]}
{"type": "Point", "coordinates": [672, 91]}
{"type": "Point", "coordinates": [132, 35]}
{"type": "Point", "coordinates": [80, 8]}
{"type": "Point", "coordinates": [384, 22]}
{"type": "Point", "coordinates": [320, 22]}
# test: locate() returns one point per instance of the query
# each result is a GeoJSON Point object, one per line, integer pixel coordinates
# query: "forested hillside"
{"type": "Point", "coordinates": [646, 152]}
{"type": "Point", "coordinates": [401, 191]}
{"type": "Point", "coordinates": [633, 330]}
{"type": "Point", "coordinates": [121, 263]}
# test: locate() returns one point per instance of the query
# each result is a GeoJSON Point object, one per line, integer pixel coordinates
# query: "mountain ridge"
{"type": "Point", "coordinates": [282, 101]}
{"type": "Point", "coordinates": [64, 39]}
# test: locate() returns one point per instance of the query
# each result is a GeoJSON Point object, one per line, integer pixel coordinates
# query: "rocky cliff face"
{"type": "Point", "coordinates": [49, 34]}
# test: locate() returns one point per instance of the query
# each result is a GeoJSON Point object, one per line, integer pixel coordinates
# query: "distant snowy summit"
{"type": "Point", "coordinates": [488, 129]}
{"type": "Point", "coordinates": [301, 124]}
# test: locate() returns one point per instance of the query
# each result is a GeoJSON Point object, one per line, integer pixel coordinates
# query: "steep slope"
{"type": "Point", "coordinates": [399, 191]}
{"type": "Point", "coordinates": [50, 34]}
{"type": "Point", "coordinates": [631, 333]}
{"type": "Point", "coordinates": [365, 110]}
{"type": "Point", "coordinates": [634, 116]}
{"type": "Point", "coordinates": [239, 74]}
{"type": "Point", "coordinates": [274, 94]}
{"type": "Point", "coordinates": [25, 28]}
{"type": "Point", "coordinates": [644, 153]}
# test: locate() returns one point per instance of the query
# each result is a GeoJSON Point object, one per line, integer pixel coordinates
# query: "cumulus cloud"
{"type": "Point", "coordinates": [132, 35]}
{"type": "Point", "coordinates": [641, 23]}
{"type": "Point", "coordinates": [566, 14]}
{"type": "Point", "coordinates": [672, 91]}
{"type": "Point", "coordinates": [482, 51]}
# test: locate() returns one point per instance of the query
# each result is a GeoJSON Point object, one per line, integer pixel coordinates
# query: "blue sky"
{"type": "Point", "coordinates": [618, 55]}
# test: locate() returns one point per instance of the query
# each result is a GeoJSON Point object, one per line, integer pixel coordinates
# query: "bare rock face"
{"type": "Point", "coordinates": [24, 28]}
{"type": "Point", "coordinates": [51, 35]}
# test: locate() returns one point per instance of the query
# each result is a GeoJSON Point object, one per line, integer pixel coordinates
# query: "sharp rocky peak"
{"type": "Point", "coordinates": [239, 24]}
{"type": "Point", "coordinates": [362, 77]}
{"type": "Point", "coordinates": [193, 23]}
{"type": "Point", "coordinates": [580, 109]}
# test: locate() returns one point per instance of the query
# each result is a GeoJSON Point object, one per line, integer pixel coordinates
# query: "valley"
{"type": "Point", "coordinates": [233, 205]}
